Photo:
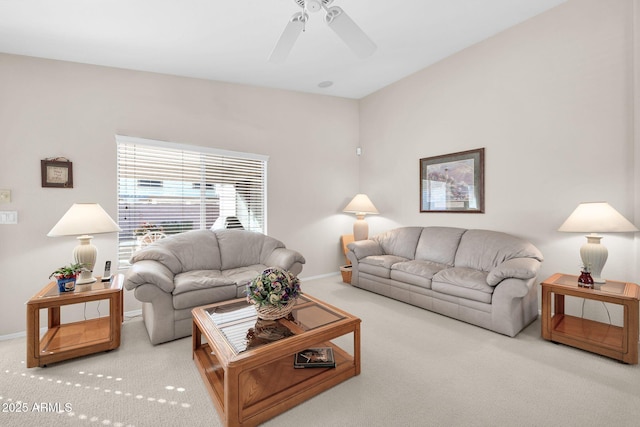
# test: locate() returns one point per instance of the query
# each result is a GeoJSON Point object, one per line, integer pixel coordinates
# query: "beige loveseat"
{"type": "Point", "coordinates": [173, 275]}
{"type": "Point", "coordinates": [482, 277]}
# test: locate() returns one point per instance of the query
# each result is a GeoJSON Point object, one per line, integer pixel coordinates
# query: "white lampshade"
{"type": "Point", "coordinates": [596, 217]}
{"type": "Point", "coordinates": [360, 205]}
{"type": "Point", "coordinates": [84, 219]}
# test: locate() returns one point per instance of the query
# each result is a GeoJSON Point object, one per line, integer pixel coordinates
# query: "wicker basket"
{"type": "Point", "coordinates": [345, 270]}
{"type": "Point", "coordinates": [273, 312]}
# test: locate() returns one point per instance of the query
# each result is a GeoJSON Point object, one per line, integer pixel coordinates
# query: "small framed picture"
{"type": "Point", "coordinates": [57, 173]}
{"type": "Point", "coordinates": [453, 182]}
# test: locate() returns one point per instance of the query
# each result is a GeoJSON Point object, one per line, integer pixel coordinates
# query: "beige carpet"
{"type": "Point", "coordinates": [418, 369]}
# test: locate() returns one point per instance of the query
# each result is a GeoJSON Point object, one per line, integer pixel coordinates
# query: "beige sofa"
{"type": "Point", "coordinates": [482, 277]}
{"type": "Point", "coordinates": [173, 275]}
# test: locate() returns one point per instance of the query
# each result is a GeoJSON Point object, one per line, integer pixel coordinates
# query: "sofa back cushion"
{"type": "Point", "coordinates": [193, 250]}
{"type": "Point", "coordinates": [439, 244]}
{"type": "Point", "coordinates": [400, 242]}
{"type": "Point", "coordinates": [240, 248]}
{"type": "Point", "coordinates": [484, 249]}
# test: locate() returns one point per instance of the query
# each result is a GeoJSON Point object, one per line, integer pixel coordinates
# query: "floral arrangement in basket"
{"type": "Point", "coordinates": [273, 292]}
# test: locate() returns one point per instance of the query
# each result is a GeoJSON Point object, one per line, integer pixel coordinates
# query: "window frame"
{"type": "Point", "coordinates": [125, 241]}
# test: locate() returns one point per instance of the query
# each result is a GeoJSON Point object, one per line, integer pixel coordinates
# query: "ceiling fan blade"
{"type": "Point", "coordinates": [349, 32]}
{"type": "Point", "coordinates": [288, 38]}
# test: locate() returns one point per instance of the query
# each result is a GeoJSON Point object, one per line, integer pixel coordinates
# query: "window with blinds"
{"type": "Point", "coordinates": [168, 188]}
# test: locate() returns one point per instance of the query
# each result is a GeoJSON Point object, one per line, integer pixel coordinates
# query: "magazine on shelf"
{"type": "Point", "coordinates": [320, 357]}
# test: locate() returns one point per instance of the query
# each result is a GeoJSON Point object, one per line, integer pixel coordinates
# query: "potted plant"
{"type": "Point", "coordinates": [66, 276]}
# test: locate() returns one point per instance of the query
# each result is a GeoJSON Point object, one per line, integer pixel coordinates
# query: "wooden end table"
{"type": "Point", "coordinates": [247, 364]}
{"type": "Point", "coordinates": [70, 340]}
{"type": "Point", "coordinates": [617, 342]}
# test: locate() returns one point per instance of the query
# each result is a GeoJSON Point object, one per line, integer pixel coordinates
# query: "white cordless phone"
{"type": "Point", "coordinates": [107, 272]}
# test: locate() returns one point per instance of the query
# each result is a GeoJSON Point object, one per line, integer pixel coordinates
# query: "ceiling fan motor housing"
{"type": "Point", "coordinates": [313, 5]}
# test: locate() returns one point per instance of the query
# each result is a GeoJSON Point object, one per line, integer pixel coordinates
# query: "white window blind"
{"type": "Point", "coordinates": [167, 188]}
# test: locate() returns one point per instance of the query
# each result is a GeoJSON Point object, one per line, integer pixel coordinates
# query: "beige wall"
{"type": "Point", "coordinates": [52, 108]}
{"type": "Point", "coordinates": [551, 100]}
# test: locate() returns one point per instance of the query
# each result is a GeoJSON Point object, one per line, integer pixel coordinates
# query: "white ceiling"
{"type": "Point", "coordinates": [231, 40]}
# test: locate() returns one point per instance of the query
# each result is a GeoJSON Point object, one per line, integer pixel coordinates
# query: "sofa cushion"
{"type": "Point", "coordinates": [379, 265]}
{"type": "Point", "coordinates": [239, 248]}
{"type": "Point", "coordinates": [439, 244]}
{"type": "Point", "coordinates": [400, 278]}
{"type": "Point", "coordinates": [199, 279]}
{"type": "Point", "coordinates": [201, 287]}
{"type": "Point", "coordinates": [484, 250]}
{"type": "Point", "coordinates": [192, 250]}
{"type": "Point", "coordinates": [400, 242]}
{"type": "Point", "coordinates": [418, 273]}
{"type": "Point", "coordinates": [464, 283]}
{"type": "Point", "coordinates": [241, 276]}
{"type": "Point", "coordinates": [419, 268]}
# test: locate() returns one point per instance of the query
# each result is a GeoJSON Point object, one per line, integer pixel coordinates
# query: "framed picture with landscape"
{"type": "Point", "coordinates": [453, 182]}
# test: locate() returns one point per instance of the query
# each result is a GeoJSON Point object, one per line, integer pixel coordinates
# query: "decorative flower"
{"type": "Point", "coordinates": [274, 286]}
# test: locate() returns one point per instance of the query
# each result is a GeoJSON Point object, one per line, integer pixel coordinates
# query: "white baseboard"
{"type": "Point", "coordinates": [319, 276]}
{"type": "Point", "coordinates": [12, 336]}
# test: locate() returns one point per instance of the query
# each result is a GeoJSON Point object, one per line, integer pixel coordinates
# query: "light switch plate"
{"type": "Point", "coordinates": [8, 217]}
{"type": "Point", "coordinates": [5, 196]}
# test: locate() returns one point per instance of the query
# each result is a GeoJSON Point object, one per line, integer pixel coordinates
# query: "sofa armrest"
{"type": "Point", "coordinates": [160, 254]}
{"type": "Point", "coordinates": [152, 272]}
{"type": "Point", "coordinates": [364, 248]}
{"type": "Point", "coordinates": [516, 268]}
{"type": "Point", "coordinates": [510, 289]}
{"type": "Point", "coordinates": [284, 258]}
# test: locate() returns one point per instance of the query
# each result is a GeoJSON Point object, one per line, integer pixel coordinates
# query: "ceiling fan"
{"type": "Point", "coordinates": [335, 18]}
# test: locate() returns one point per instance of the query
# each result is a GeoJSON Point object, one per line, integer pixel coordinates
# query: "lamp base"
{"type": "Point", "coordinates": [86, 280]}
{"type": "Point", "coordinates": [360, 229]}
{"type": "Point", "coordinates": [85, 253]}
{"type": "Point", "coordinates": [594, 255]}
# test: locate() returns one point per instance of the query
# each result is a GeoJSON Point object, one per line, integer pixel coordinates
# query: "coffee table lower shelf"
{"type": "Point", "coordinates": [266, 391]}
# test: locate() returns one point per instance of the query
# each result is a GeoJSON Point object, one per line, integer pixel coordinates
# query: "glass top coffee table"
{"type": "Point", "coordinates": [247, 364]}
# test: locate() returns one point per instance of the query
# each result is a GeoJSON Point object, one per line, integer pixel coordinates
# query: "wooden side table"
{"type": "Point", "coordinates": [617, 342]}
{"type": "Point", "coordinates": [70, 340]}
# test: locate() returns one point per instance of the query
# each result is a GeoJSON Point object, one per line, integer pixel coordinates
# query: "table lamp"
{"type": "Point", "coordinates": [596, 217]}
{"type": "Point", "coordinates": [81, 220]}
{"type": "Point", "coordinates": [360, 205]}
